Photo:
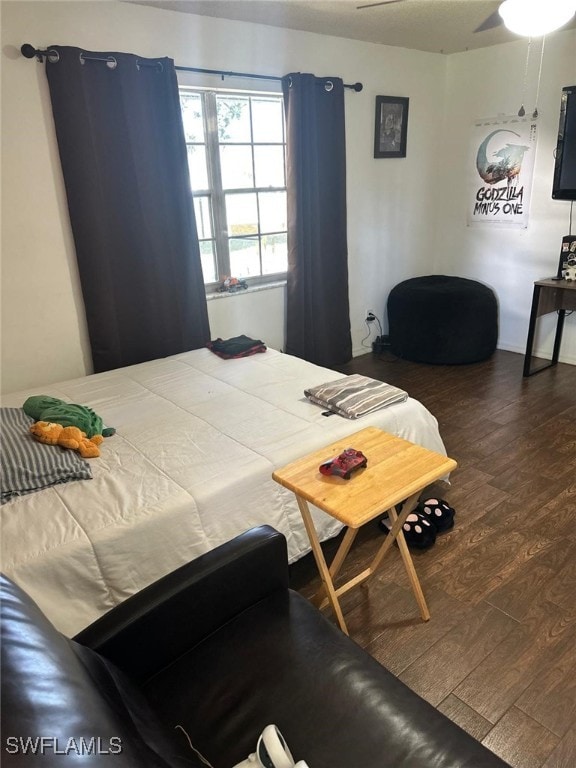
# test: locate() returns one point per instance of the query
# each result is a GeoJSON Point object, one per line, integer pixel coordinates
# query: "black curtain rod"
{"type": "Point", "coordinates": [30, 52]}
{"type": "Point", "coordinates": [223, 73]}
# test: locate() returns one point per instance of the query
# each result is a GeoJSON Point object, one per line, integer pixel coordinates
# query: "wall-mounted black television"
{"type": "Point", "coordinates": [564, 184]}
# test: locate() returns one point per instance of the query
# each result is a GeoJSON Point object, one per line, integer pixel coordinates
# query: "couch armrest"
{"type": "Point", "coordinates": [150, 629]}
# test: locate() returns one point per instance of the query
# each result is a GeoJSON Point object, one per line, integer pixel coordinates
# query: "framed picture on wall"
{"type": "Point", "coordinates": [391, 126]}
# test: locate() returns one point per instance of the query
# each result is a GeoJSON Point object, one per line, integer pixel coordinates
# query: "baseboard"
{"type": "Point", "coordinates": [358, 351]}
{"type": "Point", "coordinates": [569, 359]}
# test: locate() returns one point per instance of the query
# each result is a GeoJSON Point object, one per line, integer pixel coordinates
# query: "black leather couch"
{"type": "Point", "coordinates": [221, 647]}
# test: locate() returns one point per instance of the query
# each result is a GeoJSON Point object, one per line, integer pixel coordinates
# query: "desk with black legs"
{"type": "Point", "coordinates": [549, 296]}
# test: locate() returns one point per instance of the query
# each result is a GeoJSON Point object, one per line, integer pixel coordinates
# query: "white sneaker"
{"type": "Point", "coordinates": [271, 752]}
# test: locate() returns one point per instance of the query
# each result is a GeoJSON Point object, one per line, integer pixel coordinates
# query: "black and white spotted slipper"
{"type": "Point", "coordinates": [419, 532]}
{"type": "Point", "coordinates": [438, 512]}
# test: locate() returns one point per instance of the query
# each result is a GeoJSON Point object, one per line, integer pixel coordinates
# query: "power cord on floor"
{"type": "Point", "coordinates": [367, 346]}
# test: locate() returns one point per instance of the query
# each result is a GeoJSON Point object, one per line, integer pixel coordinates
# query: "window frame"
{"type": "Point", "coordinates": [216, 193]}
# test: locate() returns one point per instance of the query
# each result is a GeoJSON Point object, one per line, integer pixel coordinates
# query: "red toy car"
{"type": "Point", "coordinates": [349, 461]}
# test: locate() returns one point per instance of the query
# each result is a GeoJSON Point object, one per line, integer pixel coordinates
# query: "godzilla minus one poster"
{"type": "Point", "coordinates": [501, 167]}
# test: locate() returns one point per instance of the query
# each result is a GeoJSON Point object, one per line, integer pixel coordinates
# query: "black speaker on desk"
{"type": "Point", "coordinates": [564, 183]}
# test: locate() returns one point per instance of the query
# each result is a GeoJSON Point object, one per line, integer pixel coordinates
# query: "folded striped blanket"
{"type": "Point", "coordinates": [27, 465]}
{"type": "Point", "coordinates": [353, 396]}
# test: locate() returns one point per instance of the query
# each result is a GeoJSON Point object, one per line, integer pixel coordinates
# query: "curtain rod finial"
{"type": "Point", "coordinates": [358, 87]}
{"type": "Point", "coordinates": [28, 51]}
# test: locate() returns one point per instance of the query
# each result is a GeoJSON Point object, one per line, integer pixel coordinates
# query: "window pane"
{"type": "Point", "coordinates": [233, 118]}
{"type": "Point", "coordinates": [274, 254]}
{"type": "Point", "coordinates": [267, 120]}
{"type": "Point", "coordinates": [233, 187]}
{"type": "Point", "coordinates": [208, 261]}
{"type": "Point", "coordinates": [244, 257]}
{"type": "Point", "coordinates": [192, 116]}
{"type": "Point", "coordinates": [203, 213]}
{"type": "Point", "coordinates": [272, 211]}
{"type": "Point", "coordinates": [269, 165]}
{"type": "Point", "coordinates": [242, 214]}
{"type": "Point", "coordinates": [197, 166]}
{"type": "Point", "coordinates": [236, 164]}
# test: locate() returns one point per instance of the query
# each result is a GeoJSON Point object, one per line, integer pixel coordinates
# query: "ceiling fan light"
{"type": "Point", "coordinates": [533, 18]}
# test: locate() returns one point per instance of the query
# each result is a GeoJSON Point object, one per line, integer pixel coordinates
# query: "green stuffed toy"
{"type": "Point", "coordinates": [45, 408]}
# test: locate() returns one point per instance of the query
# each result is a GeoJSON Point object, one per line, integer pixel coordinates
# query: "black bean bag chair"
{"type": "Point", "coordinates": [442, 320]}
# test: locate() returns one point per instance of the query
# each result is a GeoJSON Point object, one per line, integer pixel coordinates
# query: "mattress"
{"type": "Point", "coordinates": [189, 467]}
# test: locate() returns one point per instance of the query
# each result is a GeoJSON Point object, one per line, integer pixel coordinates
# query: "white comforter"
{"type": "Point", "coordinates": [189, 468]}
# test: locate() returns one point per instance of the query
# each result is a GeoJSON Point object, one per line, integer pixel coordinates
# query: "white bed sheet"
{"type": "Point", "coordinates": [188, 468]}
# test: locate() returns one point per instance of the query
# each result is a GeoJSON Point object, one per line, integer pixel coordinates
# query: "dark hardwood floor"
{"type": "Point", "coordinates": [499, 653]}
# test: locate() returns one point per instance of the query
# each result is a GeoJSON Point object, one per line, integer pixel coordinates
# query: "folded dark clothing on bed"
{"type": "Point", "coordinates": [238, 346]}
{"type": "Point", "coordinates": [353, 396]}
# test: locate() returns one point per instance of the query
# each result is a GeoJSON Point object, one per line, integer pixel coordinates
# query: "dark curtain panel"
{"type": "Point", "coordinates": [123, 155]}
{"type": "Point", "coordinates": [317, 310]}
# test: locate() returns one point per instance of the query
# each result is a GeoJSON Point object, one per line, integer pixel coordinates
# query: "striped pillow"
{"type": "Point", "coordinates": [27, 465]}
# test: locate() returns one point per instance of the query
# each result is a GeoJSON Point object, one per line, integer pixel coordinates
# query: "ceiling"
{"type": "Point", "coordinates": [440, 26]}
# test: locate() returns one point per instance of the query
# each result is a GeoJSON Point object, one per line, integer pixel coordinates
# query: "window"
{"type": "Point", "coordinates": [236, 152]}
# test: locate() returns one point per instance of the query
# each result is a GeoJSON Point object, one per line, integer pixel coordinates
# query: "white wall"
{"type": "Point", "coordinates": [258, 314]}
{"type": "Point", "coordinates": [485, 83]}
{"type": "Point", "coordinates": [405, 216]}
{"type": "Point", "coordinates": [391, 210]}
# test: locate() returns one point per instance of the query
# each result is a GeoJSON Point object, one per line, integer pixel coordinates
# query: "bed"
{"type": "Point", "coordinates": [188, 468]}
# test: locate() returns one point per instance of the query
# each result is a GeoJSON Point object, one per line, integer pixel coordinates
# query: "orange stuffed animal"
{"type": "Point", "coordinates": [67, 437]}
